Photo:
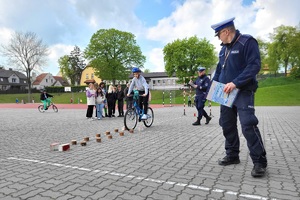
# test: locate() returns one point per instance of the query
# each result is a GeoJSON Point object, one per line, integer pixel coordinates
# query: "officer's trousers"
{"type": "Point", "coordinates": [200, 103]}
{"type": "Point", "coordinates": [244, 108]}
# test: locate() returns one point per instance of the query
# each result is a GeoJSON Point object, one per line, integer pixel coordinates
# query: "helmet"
{"type": "Point", "coordinates": [200, 68]}
{"type": "Point", "coordinates": [135, 69]}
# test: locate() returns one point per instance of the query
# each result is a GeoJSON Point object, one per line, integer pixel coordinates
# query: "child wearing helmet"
{"type": "Point", "coordinates": [139, 82]}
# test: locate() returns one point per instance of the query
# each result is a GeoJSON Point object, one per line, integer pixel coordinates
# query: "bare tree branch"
{"type": "Point", "coordinates": [26, 52]}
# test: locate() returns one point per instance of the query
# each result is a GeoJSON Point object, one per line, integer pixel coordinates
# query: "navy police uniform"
{"type": "Point", "coordinates": [239, 62]}
{"type": "Point", "coordinates": [201, 86]}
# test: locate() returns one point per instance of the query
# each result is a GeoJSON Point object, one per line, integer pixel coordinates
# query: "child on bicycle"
{"type": "Point", "coordinates": [139, 82]}
{"type": "Point", "coordinates": [45, 99]}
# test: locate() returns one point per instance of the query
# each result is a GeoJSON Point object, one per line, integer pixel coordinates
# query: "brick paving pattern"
{"type": "Point", "coordinates": [170, 160]}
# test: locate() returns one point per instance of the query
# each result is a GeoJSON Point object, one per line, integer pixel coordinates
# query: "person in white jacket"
{"type": "Point", "coordinates": [90, 95]}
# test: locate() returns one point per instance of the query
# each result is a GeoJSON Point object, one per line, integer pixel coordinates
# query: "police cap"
{"type": "Point", "coordinates": [221, 25]}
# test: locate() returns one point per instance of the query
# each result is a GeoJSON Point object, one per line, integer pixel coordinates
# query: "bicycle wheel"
{"type": "Point", "coordinates": [149, 121]}
{"type": "Point", "coordinates": [130, 119]}
{"type": "Point", "coordinates": [41, 108]}
{"type": "Point", "coordinates": [55, 109]}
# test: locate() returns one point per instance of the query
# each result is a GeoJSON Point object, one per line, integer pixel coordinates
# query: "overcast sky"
{"type": "Point", "coordinates": [62, 24]}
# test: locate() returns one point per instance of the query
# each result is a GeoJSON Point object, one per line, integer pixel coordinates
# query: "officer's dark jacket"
{"type": "Point", "coordinates": [242, 64]}
{"type": "Point", "coordinates": [202, 83]}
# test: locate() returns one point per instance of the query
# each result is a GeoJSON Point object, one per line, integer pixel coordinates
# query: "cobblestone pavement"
{"type": "Point", "coordinates": [170, 160]}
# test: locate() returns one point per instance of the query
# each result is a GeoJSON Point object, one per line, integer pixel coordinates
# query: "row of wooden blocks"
{"type": "Point", "coordinates": [66, 147]}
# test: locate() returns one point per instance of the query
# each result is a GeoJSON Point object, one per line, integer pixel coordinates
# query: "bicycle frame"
{"type": "Point", "coordinates": [134, 114]}
{"type": "Point", "coordinates": [138, 110]}
{"type": "Point", "coordinates": [41, 106]}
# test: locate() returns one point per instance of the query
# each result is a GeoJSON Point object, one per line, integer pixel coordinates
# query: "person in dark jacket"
{"type": "Point", "coordinates": [114, 102]}
{"type": "Point", "coordinates": [239, 63]}
{"type": "Point", "coordinates": [120, 98]}
{"type": "Point", "coordinates": [111, 99]}
{"type": "Point", "coordinates": [45, 99]}
{"type": "Point", "coordinates": [201, 84]}
{"type": "Point", "coordinates": [128, 99]}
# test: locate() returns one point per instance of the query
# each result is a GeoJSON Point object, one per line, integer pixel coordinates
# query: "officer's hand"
{"type": "Point", "coordinates": [195, 86]}
{"type": "Point", "coordinates": [144, 95]}
{"type": "Point", "coordinates": [191, 82]}
{"type": "Point", "coordinates": [229, 87]}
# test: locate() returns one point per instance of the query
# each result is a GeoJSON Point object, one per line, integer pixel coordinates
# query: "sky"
{"type": "Point", "coordinates": [62, 24]}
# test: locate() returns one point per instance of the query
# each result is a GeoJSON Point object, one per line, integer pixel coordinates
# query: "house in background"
{"type": "Point", "coordinates": [161, 81]}
{"type": "Point", "coordinates": [12, 80]}
{"type": "Point", "coordinates": [156, 80]}
{"type": "Point", "coordinates": [47, 79]}
{"type": "Point", "coordinates": [88, 76]}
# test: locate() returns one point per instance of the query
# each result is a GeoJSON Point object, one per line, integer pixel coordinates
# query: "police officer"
{"type": "Point", "coordinates": [239, 63]}
{"type": "Point", "coordinates": [201, 85]}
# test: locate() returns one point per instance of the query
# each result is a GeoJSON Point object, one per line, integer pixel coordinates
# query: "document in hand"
{"type": "Point", "coordinates": [216, 94]}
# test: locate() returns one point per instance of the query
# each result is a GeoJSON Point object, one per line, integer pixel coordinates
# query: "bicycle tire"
{"type": "Point", "coordinates": [55, 109]}
{"type": "Point", "coordinates": [41, 108]}
{"type": "Point", "coordinates": [130, 119]}
{"type": "Point", "coordinates": [148, 122]}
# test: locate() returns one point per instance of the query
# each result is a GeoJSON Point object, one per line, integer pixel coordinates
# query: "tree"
{"type": "Point", "coordinates": [147, 71]}
{"type": "Point", "coordinates": [113, 53]}
{"type": "Point", "coordinates": [263, 49]}
{"type": "Point", "coordinates": [71, 66]}
{"type": "Point", "coordinates": [27, 52]}
{"type": "Point", "coordinates": [182, 57]}
{"type": "Point", "coordinates": [285, 48]}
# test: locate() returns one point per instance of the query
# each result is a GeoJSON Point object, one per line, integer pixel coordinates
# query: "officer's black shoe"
{"type": "Point", "coordinates": [207, 120]}
{"type": "Point", "coordinates": [258, 171]}
{"type": "Point", "coordinates": [196, 123]}
{"type": "Point", "coordinates": [228, 161]}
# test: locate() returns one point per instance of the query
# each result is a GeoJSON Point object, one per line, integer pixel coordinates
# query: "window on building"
{"type": "Point", "coordinates": [92, 75]}
{"type": "Point", "coordinates": [1, 79]}
{"type": "Point", "coordinates": [51, 80]}
{"type": "Point", "coordinates": [153, 82]}
{"type": "Point", "coordinates": [87, 76]}
{"type": "Point", "coordinates": [13, 80]}
{"type": "Point", "coordinates": [46, 80]}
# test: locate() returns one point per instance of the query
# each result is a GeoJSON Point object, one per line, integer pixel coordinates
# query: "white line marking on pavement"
{"type": "Point", "coordinates": [196, 187]}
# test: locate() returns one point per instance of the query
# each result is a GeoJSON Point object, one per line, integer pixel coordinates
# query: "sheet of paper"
{"type": "Point", "coordinates": [216, 94]}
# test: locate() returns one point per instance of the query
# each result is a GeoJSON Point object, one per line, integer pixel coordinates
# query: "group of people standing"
{"type": "Point", "coordinates": [239, 63]}
{"type": "Point", "coordinates": [105, 101]}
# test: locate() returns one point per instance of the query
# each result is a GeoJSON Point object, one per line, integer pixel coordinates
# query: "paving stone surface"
{"type": "Point", "coordinates": [170, 160]}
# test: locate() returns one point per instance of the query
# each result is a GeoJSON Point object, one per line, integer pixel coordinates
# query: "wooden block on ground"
{"type": "Point", "coordinates": [83, 143]}
{"type": "Point", "coordinates": [98, 139]}
{"type": "Point", "coordinates": [98, 135]}
{"type": "Point", "coordinates": [86, 139]}
{"type": "Point", "coordinates": [121, 133]}
{"type": "Point", "coordinates": [107, 132]}
{"type": "Point", "coordinates": [64, 147]}
{"type": "Point", "coordinates": [109, 136]}
{"type": "Point", "coordinates": [54, 146]}
{"type": "Point", "coordinates": [116, 130]}
{"type": "Point", "coordinates": [73, 142]}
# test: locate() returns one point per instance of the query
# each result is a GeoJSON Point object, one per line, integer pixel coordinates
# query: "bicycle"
{"type": "Point", "coordinates": [54, 107]}
{"type": "Point", "coordinates": [134, 114]}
